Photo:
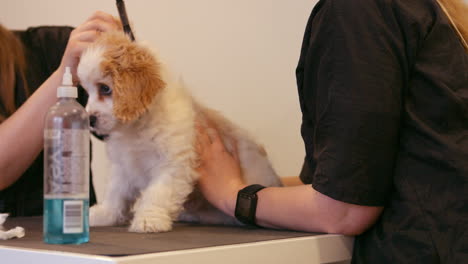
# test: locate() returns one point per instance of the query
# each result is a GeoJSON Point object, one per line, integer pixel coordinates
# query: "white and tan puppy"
{"type": "Point", "coordinates": [149, 122]}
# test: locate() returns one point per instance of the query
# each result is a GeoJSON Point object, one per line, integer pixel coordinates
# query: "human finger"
{"type": "Point", "coordinates": [86, 36]}
{"type": "Point", "coordinates": [216, 139]}
{"type": "Point", "coordinates": [204, 137]}
{"type": "Point", "coordinates": [97, 25]}
{"type": "Point", "coordinates": [235, 150]}
{"type": "Point", "coordinates": [203, 141]}
{"type": "Point", "coordinates": [75, 48]}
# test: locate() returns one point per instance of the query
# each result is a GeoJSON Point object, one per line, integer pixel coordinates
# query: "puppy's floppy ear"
{"type": "Point", "coordinates": [135, 74]}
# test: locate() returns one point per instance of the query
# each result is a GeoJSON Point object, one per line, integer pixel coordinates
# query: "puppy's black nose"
{"type": "Point", "coordinates": [92, 120]}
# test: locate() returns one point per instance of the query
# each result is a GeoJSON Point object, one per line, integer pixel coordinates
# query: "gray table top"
{"type": "Point", "coordinates": [117, 241]}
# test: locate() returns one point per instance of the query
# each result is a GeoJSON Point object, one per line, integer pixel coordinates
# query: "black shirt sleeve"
{"type": "Point", "coordinates": [351, 76]}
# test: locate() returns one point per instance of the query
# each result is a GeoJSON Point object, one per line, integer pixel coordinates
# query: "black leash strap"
{"type": "Point", "coordinates": [124, 19]}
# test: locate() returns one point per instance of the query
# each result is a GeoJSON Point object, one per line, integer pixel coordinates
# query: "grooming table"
{"type": "Point", "coordinates": [186, 243]}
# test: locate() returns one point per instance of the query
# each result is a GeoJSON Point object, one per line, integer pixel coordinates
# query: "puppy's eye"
{"type": "Point", "coordinates": [104, 90]}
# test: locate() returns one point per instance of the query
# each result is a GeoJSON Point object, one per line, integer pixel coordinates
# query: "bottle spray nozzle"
{"type": "Point", "coordinates": [67, 89]}
{"type": "Point", "coordinates": [67, 77]}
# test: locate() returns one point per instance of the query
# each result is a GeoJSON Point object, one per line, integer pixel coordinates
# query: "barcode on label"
{"type": "Point", "coordinates": [72, 217]}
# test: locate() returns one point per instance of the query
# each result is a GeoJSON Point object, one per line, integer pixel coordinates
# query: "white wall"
{"type": "Point", "coordinates": [237, 56]}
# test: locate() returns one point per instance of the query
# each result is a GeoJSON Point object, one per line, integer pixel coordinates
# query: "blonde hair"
{"type": "Point", "coordinates": [457, 12]}
{"type": "Point", "coordinates": [12, 66]}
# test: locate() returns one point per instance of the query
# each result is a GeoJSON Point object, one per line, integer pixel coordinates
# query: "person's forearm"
{"type": "Point", "coordinates": [298, 208]}
{"type": "Point", "coordinates": [22, 132]}
{"type": "Point", "coordinates": [302, 208]}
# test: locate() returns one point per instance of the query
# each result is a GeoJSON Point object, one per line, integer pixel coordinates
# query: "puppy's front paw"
{"type": "Point", "coordinates": [151, 222]}
{"type": "Point", "coordinates": [101, 216]}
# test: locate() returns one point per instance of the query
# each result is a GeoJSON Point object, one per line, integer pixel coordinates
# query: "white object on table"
{"type": "Point", "coordinates": [12, 233]}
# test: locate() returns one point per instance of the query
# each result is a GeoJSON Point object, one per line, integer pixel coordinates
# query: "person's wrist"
{"type": "Point", "coordinates": [56, 79]}
{"type": "Point", "coordinates": [231, 199]}
{"type": "Point", "coordinates": [60, 70]}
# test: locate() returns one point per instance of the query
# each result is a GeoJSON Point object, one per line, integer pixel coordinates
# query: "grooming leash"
{"type": "Point", "coordinates": [124, 19]}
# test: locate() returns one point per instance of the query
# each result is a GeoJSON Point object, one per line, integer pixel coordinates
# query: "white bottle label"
{"type": "Point", "coordinates": [72, 216]}
{"type": "Point", "coordinates": [66, 161]}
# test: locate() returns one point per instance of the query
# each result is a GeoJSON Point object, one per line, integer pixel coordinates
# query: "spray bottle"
{"type": "Point", "coordinates": [66, 168]}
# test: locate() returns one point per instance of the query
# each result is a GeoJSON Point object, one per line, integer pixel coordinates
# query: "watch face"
{"type": "Point", "coordinates": [244, 205]}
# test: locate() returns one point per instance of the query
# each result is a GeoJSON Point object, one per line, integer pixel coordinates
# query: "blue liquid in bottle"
{"type": "Point", "coordinates": [66, 221]}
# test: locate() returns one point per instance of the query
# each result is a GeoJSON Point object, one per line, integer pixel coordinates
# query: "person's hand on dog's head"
{"type": "Point", "coordinates": [85, 34]}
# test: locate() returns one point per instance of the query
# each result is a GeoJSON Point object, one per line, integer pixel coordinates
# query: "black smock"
{"type": "Point", "coordinates": [383, 87]}
{"type": "Point", "coordinates": [44, 48]}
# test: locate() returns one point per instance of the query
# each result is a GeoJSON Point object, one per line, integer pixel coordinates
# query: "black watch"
{"type": "Point", "coordinates": [246, 204]}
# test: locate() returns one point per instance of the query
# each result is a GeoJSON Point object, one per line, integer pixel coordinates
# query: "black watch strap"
{"type": "Point", "coordinates": [246, 204]}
